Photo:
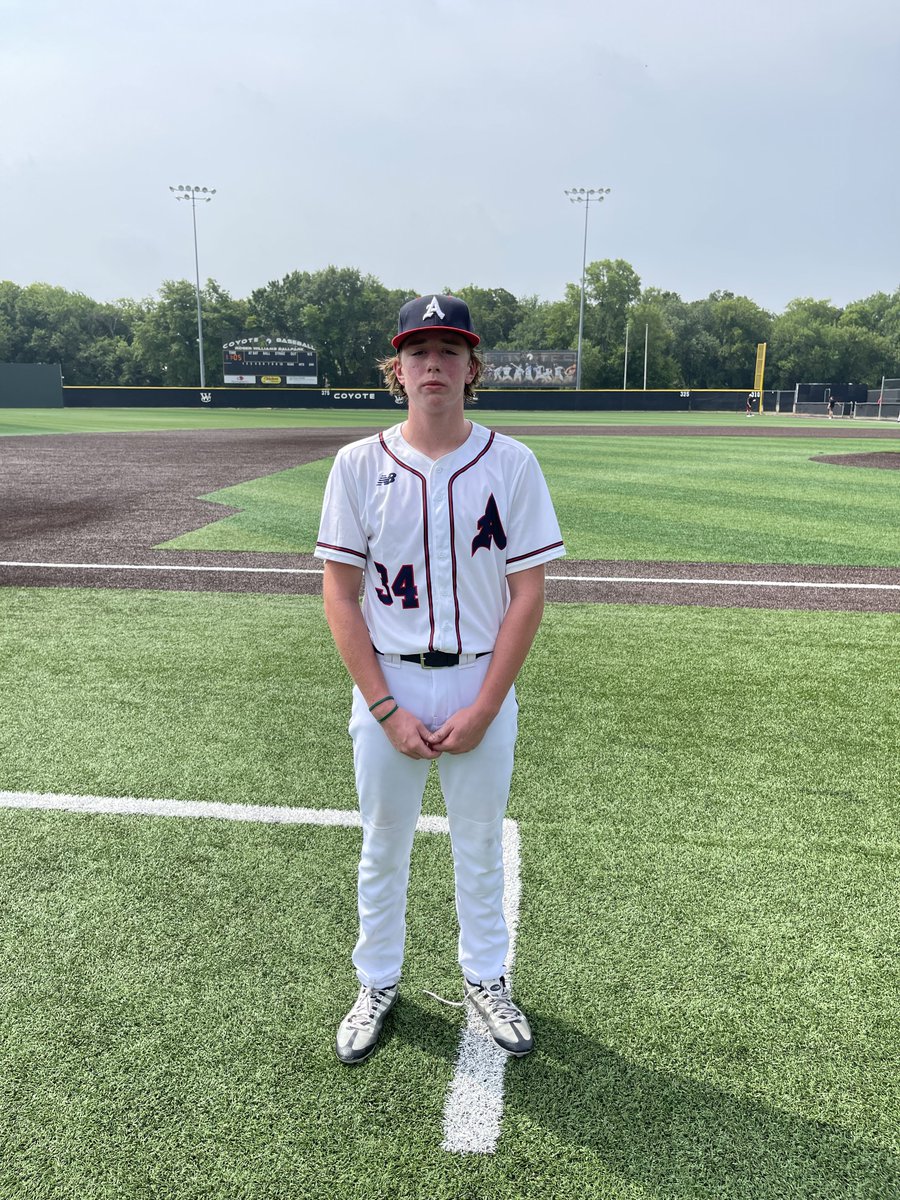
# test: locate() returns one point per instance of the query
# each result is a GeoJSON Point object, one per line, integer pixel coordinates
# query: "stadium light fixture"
{"type": "Point", "coordinates": [585, 196]}
{"type": "Point", "coordinates": [193, 192]}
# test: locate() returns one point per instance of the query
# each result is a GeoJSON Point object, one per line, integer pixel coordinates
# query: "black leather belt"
{"type": "Point", "coordinates": [434, 658]}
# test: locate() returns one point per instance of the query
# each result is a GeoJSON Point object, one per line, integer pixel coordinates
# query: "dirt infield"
{"type": "Point", "coordinates": [86, 510]}
{"type": "Point", "coordinates": [883, 460]}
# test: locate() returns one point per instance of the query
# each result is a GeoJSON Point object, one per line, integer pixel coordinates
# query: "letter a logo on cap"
{"type": "Point", "coordinates": [433, 309]}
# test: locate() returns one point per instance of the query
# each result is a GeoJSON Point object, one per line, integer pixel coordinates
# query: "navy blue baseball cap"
{"type": "Point", "coordinates": [435, 312]}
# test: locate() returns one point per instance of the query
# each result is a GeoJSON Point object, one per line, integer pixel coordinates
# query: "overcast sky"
{"type": "Point", "coordinates": [749, 147]}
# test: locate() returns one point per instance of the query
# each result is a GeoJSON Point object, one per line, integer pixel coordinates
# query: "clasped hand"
{"type": "Point", "coordinates": [460, 733]}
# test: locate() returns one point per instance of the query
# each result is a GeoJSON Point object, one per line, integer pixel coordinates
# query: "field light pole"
{"type": "Point", "coordinates": [187, 191]}
{"type": "Point", "coordinates": [584, 196]}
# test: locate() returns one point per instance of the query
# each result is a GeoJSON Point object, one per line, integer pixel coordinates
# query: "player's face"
{"type": "Point", "coordinates": [434, 368]}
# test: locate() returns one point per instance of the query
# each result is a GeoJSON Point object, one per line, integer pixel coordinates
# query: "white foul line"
{"type": "Point", "coordinates": [669, 580]}
{"type": "Point", "coordinates": [165, 567]}
{"type": "Point", "coordinates": [777, 583]}
{"type": "Point", "coordinates": [473, 1109]}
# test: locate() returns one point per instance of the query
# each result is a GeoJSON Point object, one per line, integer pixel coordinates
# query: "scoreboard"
{"type": "Point", "coordinates": [269, 360]}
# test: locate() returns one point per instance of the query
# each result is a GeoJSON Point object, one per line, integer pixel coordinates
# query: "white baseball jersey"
{"type": "Point", "coordinates": [437, 539]}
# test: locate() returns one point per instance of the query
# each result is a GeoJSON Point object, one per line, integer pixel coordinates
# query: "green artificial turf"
{"type": "Point", "coordinates": [140, 420]}
{"type": "Point", "coordinates": [19, 421]}
{"type": "Point", "coordinates": [708, 809]}
{"type": "Point", "coordinates": [708, 499]}
{"type": "Point", "coordinates": [713, 499]}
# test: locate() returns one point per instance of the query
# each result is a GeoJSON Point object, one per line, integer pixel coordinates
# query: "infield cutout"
{"type": "Point", "coordinates": [473, 1109]}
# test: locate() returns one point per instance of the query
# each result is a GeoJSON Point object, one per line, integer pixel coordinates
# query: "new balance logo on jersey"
{"type": "Point", "coordinates": [490, 528]}
{"type": "Point", "coordinates": [386, 479]}
{"type": "Point", "coordinates": [433, 310]}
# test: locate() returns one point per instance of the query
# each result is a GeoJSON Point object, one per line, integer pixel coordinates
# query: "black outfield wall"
{"type": "Point", "coordinates": [496, 399]}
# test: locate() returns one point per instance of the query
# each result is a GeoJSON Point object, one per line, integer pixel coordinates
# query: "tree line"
{"type": "Point", "coordinates": [346, 316]}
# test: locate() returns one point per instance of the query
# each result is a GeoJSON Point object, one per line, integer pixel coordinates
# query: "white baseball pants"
{"type": "Point", "coordinates": [390, 788]}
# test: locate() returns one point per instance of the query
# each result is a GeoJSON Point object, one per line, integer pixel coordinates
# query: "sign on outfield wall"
{"type": "Point", "coordinates": [269, 360]}
{"type": "Point", "coordinates": [529, 369]}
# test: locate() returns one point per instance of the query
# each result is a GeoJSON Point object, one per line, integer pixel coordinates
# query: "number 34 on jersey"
{"type": "Point", "coordinates": [436, 540]}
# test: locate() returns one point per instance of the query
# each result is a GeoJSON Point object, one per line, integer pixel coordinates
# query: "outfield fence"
{"type": "Point", "coordinates": [496, 399]}
{"type": "Point", "coordinates": [38, 385]}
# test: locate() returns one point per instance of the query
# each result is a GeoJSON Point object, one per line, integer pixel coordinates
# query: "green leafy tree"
{"type": "Point", "coordinates": [9, 295]}
{"type": "Point", "coordinates": [223, 318]}
{"type": "Point", "coordinates": [542, 325]}
{"type": "Point", "coordinates": [715, 340]}
{"type": "Point", "coordinates": [108, 356]}
{"type": "Point", "coordinates": [595, 366]}
{"type": "Point", "coordinates": [343, 314]}
{"type": "Point", "coordinates": [668, 318]}
{"type": "Point", "coordinates": [693, 347]}
{"type": "Point", "coordinates": [495, 313]}
{"type": "Point", "coordinates": [346, 316]}
{"type": "Point", "coordinates": [166, 335]}
{"type": "Point", "coordinates": [802, 347]}
{"type": "Point", "coordinates": [736, 325]}
{"type": "Point", "coordinates": [43, 323]}
{"type": "Point", "coordinates": [878, 314]}
{"type": "Point", "coordinates": [649, 329]}
{"type": "Point", "coordinates": [862, 356]}
{"type": "Point", "coordinates": [813, 341]}
{"type": "Point", "coordinates": [110, 361]}
{"type": "Point", "coordinates": [612, 287]}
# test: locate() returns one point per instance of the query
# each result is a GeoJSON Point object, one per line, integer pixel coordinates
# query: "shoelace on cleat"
{"type": "Point", "coordinates": [442, 1000]}
{"type": "Point", "coordinates": [501, 1005]}
{"type": "Point", "coordinates": [365, 1010]}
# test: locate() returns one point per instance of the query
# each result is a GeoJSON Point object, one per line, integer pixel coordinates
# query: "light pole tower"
{"type": "Point", "coordinates": [584, 196]}
{"type": "Point", "coordinates": [187, 191]}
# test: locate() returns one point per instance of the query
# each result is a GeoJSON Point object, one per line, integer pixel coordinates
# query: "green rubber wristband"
{"type": "Point", "coordinates": [381, 720]}
{"type": "Point", "coordinates": [383, 700]}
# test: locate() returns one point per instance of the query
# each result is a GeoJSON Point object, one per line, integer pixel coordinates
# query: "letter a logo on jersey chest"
{"type": "Point", "coordinates": [490, 528]}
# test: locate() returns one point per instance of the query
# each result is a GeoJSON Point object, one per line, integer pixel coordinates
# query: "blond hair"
{"type": "Point", "coordinates": [395, 387]}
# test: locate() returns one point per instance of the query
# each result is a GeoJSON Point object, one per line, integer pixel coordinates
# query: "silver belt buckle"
{"type": "Point", "coordinates": [423, 664]}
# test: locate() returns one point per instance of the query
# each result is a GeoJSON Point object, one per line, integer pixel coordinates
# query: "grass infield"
{"type": "Point", "coordinates": [708, 810]}
{"type": "Point", "coordinates": [703, 499]}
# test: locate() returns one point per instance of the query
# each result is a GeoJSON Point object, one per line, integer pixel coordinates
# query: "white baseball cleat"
{"type": "Point", "coordinates": [358, 1033]}
{"type": "Point", "coordinates": [506, 1023]}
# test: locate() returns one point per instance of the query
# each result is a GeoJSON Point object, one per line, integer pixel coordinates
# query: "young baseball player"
{"type": "Point", "coordinates": [449, 525]}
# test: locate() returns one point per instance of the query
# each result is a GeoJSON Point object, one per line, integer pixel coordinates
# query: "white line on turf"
{"type": "Point", "coordinates": [473, 1109]}
{"type": "Point", "coordinates": [164, 567]}
{"type": "Point", "coordinates": [474, 1105]}
{"type": "Point", "coordinates": [129, 805]}
{"type": "Point", "coordinates": [776, 583]}
{"type": "Point", "coordinates": [668, 580]}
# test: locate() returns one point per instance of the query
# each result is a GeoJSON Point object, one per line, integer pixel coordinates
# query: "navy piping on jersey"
{"type": "Point", "coordinates": [532, 553]}
{"type": "Point", "coordinates": [424, 483]}
{"type": "Point", "coordinates": [453, 479]}
{"type": "Point", "coordinates": [342, 549]}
